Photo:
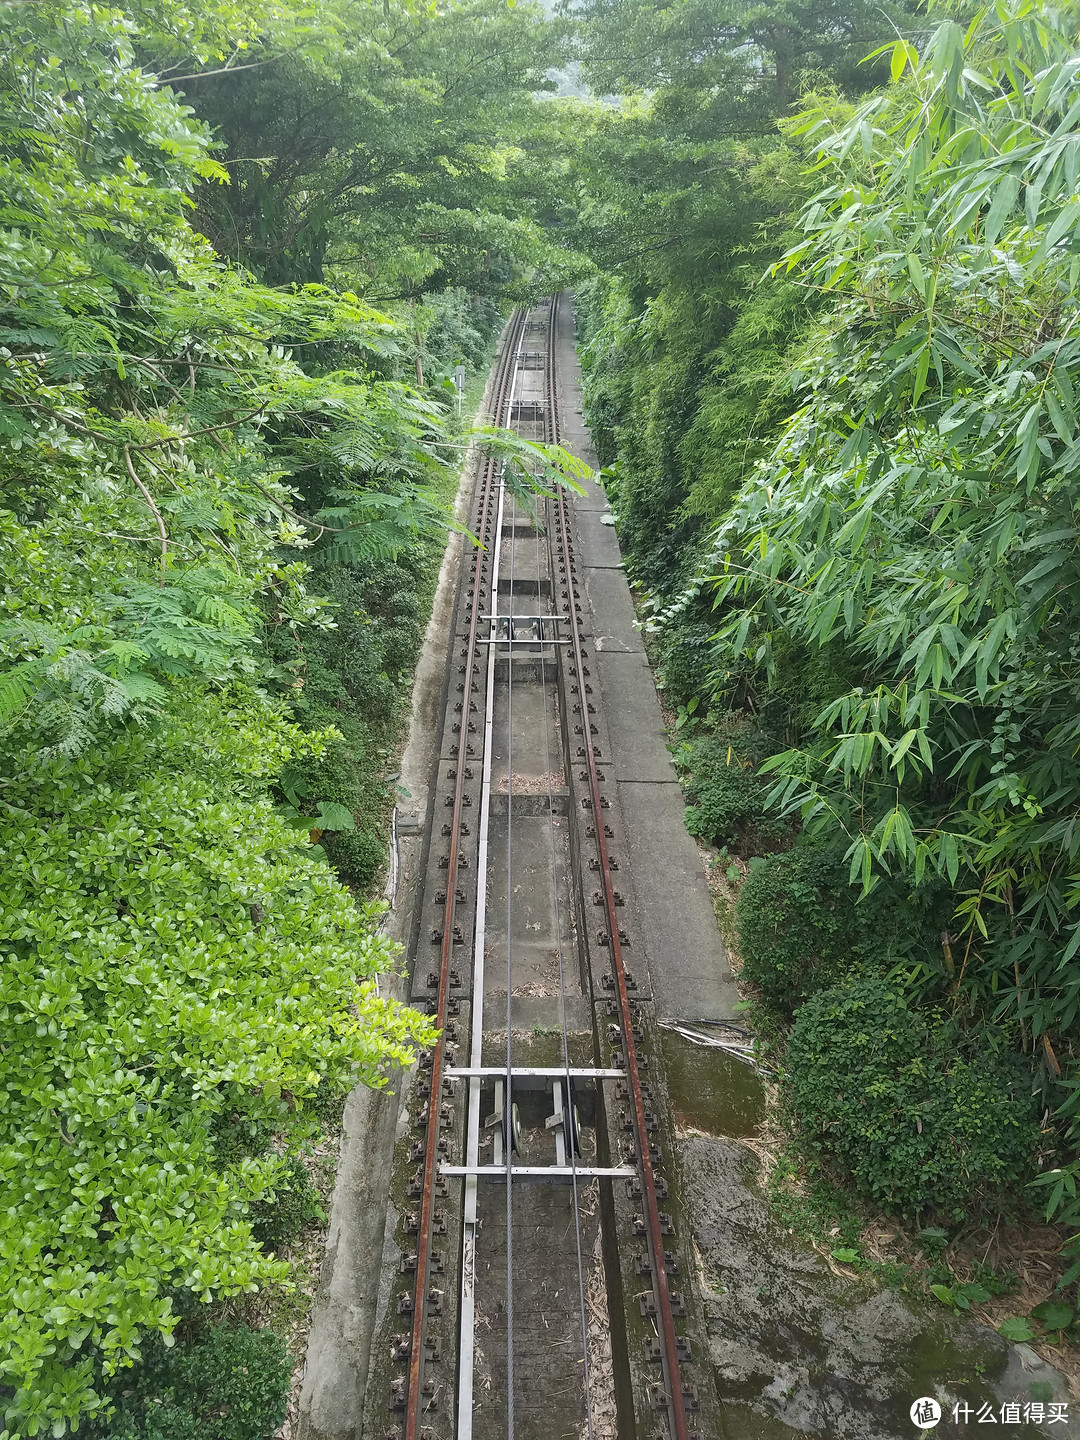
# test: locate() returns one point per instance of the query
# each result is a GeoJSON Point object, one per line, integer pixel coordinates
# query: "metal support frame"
{"type": "Point", "coordinates": [534, 1072]}
{"type": "Point", "coordinates": [544, 1172]}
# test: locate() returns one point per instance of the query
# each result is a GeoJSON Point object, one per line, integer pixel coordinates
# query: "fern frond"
{"type": "Point", "coordinates": [139, 686]}
{"type": "Point", "coordinates": [18, 685]}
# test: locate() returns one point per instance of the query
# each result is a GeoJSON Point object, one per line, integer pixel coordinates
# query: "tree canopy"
{"type": "Point", "coordinates": [384, 147]}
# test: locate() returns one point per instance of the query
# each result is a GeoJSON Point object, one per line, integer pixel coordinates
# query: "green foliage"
{"type": "Point", "coordinates": [180, 968]}
{"type": "Point", "coordinates": [727, 799]}
{"type": "Point", "coordinates": [357, 856]}
{"type": "Point", "coordinates": [385, 152]}
{"type": "Point", "coordinates": [278, 1217]}
{"type": "Point", "coordinates": [692, 194]}
{"type": "Point", "coordinates": [151, 403]}
{"type": "Point", "coordinates": [1055, 1315]}
{"type": "Point", "coordinates": [230, 1383]}
{"type": "Point", "coordinates": [891, 582]}
{"type": "Point", "coordinates": [915, 509]}
{"type": "Point", "coordinates": [1016, 1329]}
{"type": "Point", "coordinates": [356, 678]}
{"type": "Point", "coordinates": [899, 1103]}
{"type": "Point", "coordinates": [802, 928]}
{"type": "Point", "coordinates": [917, 512]}
{"type": "Point", "coordinates": [960, 1297]}
{"type": "Point", "coordinates": [459, 331]}
{"type": "Point", "coordinates": [173, 953]}
{"type": "Point", "coordinates": [186, 455]}
{"type": "Point", "coordinates": [235, 1135]}
{"type": "Point", "coordinates": [726, 68]}
{"type": "Point", "coordinates": [327, 1104]}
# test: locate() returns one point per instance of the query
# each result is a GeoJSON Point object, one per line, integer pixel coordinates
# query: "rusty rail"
{"type": "Point", "coordinates": [654, 1234]}
{"type": "Point", "coordinates": [414, 1391]}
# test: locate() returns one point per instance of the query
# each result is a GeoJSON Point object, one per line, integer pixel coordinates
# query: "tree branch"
{"type": "Point", "coordinates": [230, 69]}
{"type": "Point", "coordinates": [164, 534]}
{"type": "Point", "coordinates": [207, 430]}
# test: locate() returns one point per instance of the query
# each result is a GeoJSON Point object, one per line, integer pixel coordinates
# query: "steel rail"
{"type": "Point", "coordinates": [503, 390]}
{"type": "Point", "coordinates": [508, 1097]}
{"type": "Point", "coordinates": [470, 1222]}
{"type": "Point", "coordinates": [669, 1350]}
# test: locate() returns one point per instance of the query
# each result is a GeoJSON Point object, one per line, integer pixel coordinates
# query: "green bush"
{"type": "Point", "coordinates": [725, 804]}
{"type": "Point", "coordinates": [893, 1100]}
{"type": "Point", "coordinates": [799, 926]}
{"type": "Point", "coordinates": [727, 796]}
{"type": "Point", "coordinates": [355, 678]}
{"type": "Point", "coordinates": [802, 926]}
{"type": "Point", "coordinates": [278, 1221]}
{"type": "Point", "coordinates": [231, 1384]}
{"type": "Point", "coordinates": [683, 652]}
{"type": "Point", "coordinates": [236, 1136]}
{"type": "Point", "coordinates": [356, 855]}
{"type": "Point", "coordinates": [461, 329]}
{"type": "Point", "coordinates": [175, 962]}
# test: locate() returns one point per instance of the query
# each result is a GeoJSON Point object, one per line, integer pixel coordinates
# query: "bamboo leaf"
{"type": "Point", "coordinates": [922, 369]}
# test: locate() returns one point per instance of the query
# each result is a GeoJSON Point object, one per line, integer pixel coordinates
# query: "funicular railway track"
{"type": "Point", "coordinates": [507, 1219]}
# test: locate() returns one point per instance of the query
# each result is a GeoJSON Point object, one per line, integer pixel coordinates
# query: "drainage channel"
{"type": "Point", "coordinates": [542, 1282]}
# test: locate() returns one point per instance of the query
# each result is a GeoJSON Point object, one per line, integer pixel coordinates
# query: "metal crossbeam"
{"type": "Point", "coordinates": [562, 619]}
{"type": "Point", "coordinates": [533, 1072]}
{"type": "Point", "coordinates": [533, 640]}
{"type": "Point", "coordinates": [544, 1172]}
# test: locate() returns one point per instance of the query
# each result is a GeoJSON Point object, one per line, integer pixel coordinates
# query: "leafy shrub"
{"type": "Point", "coordinates": [236, 1135]}
{"type": "Point", "coordinates": [798, 924]}
{"type": "Point", "coordinates": [727, 797]}
{"type": "Point", "coordinates": [892, 1099]}
{"type": "Point", "coordinates": [726, 802]}
{"type": "Point", "coordinates": [356, 855]}
{"type": "Point", "coordinates": [356, 679]}
{"type": "Point", "coordinates": [232, 1383]}
{"type": "Point", "coordinates": [278, 1218]}
{"type": "Point", "coordinates": [683, 652]}
{"type": "Point", "coordinates": [802, 927]}
{"type": "Point", "coordinates": [461, 329]}
{"type": "Point", "coordinates": [192, 959]}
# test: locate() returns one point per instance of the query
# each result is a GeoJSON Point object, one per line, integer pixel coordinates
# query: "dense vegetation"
{"type": "Point", "coordinates": [841, 442]}
{"type": "Point", "coordinates": [829, 320]}
{"type": "Point", "coordinates": [225, 484]}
